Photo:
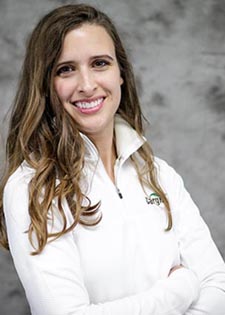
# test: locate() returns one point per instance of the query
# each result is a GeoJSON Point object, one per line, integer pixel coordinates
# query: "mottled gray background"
{"type": "Point", "coordinates": [178, 51]}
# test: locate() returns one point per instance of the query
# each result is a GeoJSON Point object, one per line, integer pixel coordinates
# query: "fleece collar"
{"type": "Point", "coordinates": [127, 141]}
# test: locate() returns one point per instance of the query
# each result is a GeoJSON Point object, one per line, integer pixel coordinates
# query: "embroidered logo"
{"type": "Point", "coordinates": [153, 199]}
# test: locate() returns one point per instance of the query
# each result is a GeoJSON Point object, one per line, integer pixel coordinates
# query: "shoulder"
{"type": "Point", "coordinates": [21, 176]}
{"type": "Point", "coordinates": [16, 199]}
{"type": "Point", "coordinates": [170, 181]}
{"type": "Point", "coordinates": [164, 170]}
{"type": "Point", "coordinates": [16, 195]}
{"type": "Point", "coordinates": [173, 185]}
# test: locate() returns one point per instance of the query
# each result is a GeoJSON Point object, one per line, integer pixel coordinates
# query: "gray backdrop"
{"type": "Point", "coordinates": [177, 48]}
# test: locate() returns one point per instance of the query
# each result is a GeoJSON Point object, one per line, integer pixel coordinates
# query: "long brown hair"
{"type": "Point", "coordinates": [43, 134]}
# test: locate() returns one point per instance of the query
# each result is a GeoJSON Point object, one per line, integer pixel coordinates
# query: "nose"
{"type": "Point", "coordinates": [86, 81]}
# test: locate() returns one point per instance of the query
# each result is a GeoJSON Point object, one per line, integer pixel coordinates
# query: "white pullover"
{"type": "Point", "coordinates": [120, 266]}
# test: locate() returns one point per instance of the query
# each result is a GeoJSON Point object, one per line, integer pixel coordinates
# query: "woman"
{"type": "Point", "coordinates": [95, 223]}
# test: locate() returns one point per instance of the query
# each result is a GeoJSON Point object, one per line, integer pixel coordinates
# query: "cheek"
{"type": "Point", "coordinates": [63, 89]}
{"type": "Point", "coordinates": [113, 83]}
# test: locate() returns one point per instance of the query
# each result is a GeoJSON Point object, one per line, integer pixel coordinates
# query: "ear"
{"type": "Point", "coordinates": [121, 80]}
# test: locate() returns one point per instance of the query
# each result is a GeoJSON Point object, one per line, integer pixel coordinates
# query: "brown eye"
{"type": "Point", "coordinates": [64, 70]}
{"type": "Point", "coordinates": [100, 63]}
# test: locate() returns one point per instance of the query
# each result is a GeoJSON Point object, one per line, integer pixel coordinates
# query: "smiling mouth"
{"type": "Point", "coordinates": [88, 105]}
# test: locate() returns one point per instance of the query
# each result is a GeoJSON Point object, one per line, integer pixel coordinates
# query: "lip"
{"type": "Point", "coordinates": [88, 100]}
{"type": "Point", "coordinates": [90, 110]}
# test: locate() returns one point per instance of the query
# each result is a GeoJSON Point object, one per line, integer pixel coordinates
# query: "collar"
{"type": "Point", "coordinates": [127, 141]}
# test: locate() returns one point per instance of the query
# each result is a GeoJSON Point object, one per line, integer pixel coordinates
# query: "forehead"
{"type": "Point", "coordinates": [87, 39]}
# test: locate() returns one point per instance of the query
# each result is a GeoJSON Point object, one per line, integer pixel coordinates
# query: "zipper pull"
{"type": "Point", "coordinates": [119, 193]}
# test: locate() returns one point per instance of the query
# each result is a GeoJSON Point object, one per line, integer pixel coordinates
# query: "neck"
{"type": "Point", "coordinates": [107, 151]}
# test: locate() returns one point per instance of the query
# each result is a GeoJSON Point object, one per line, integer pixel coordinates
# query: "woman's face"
{"type": "Point", "coordinates": [88, 80]}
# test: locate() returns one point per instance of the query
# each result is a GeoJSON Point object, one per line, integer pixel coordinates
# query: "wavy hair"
{"type": "Point", "coordinates": [43, 134]}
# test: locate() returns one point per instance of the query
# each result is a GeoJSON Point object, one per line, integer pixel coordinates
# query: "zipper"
{"type": "Point", "coordinates": [116, 171]}
{"type": "Point", "coordinates": [119, 193]}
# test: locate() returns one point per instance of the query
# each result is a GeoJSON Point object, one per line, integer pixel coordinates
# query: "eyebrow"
{"type": "Point", "coordinates": [92, 58]}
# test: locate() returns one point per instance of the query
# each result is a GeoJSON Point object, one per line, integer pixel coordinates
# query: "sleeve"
{"type": "Point", "coordinates": [198, 251]}
{"type": "Point", "coordinates": [53, 280]}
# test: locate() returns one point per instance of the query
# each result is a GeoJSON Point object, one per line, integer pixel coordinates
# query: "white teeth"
{"type": "Point", "coordinates": [88, 104]}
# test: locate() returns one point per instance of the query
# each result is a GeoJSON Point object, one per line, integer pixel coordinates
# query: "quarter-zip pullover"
{"type": "Point", "coordinates": [120, 266]}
